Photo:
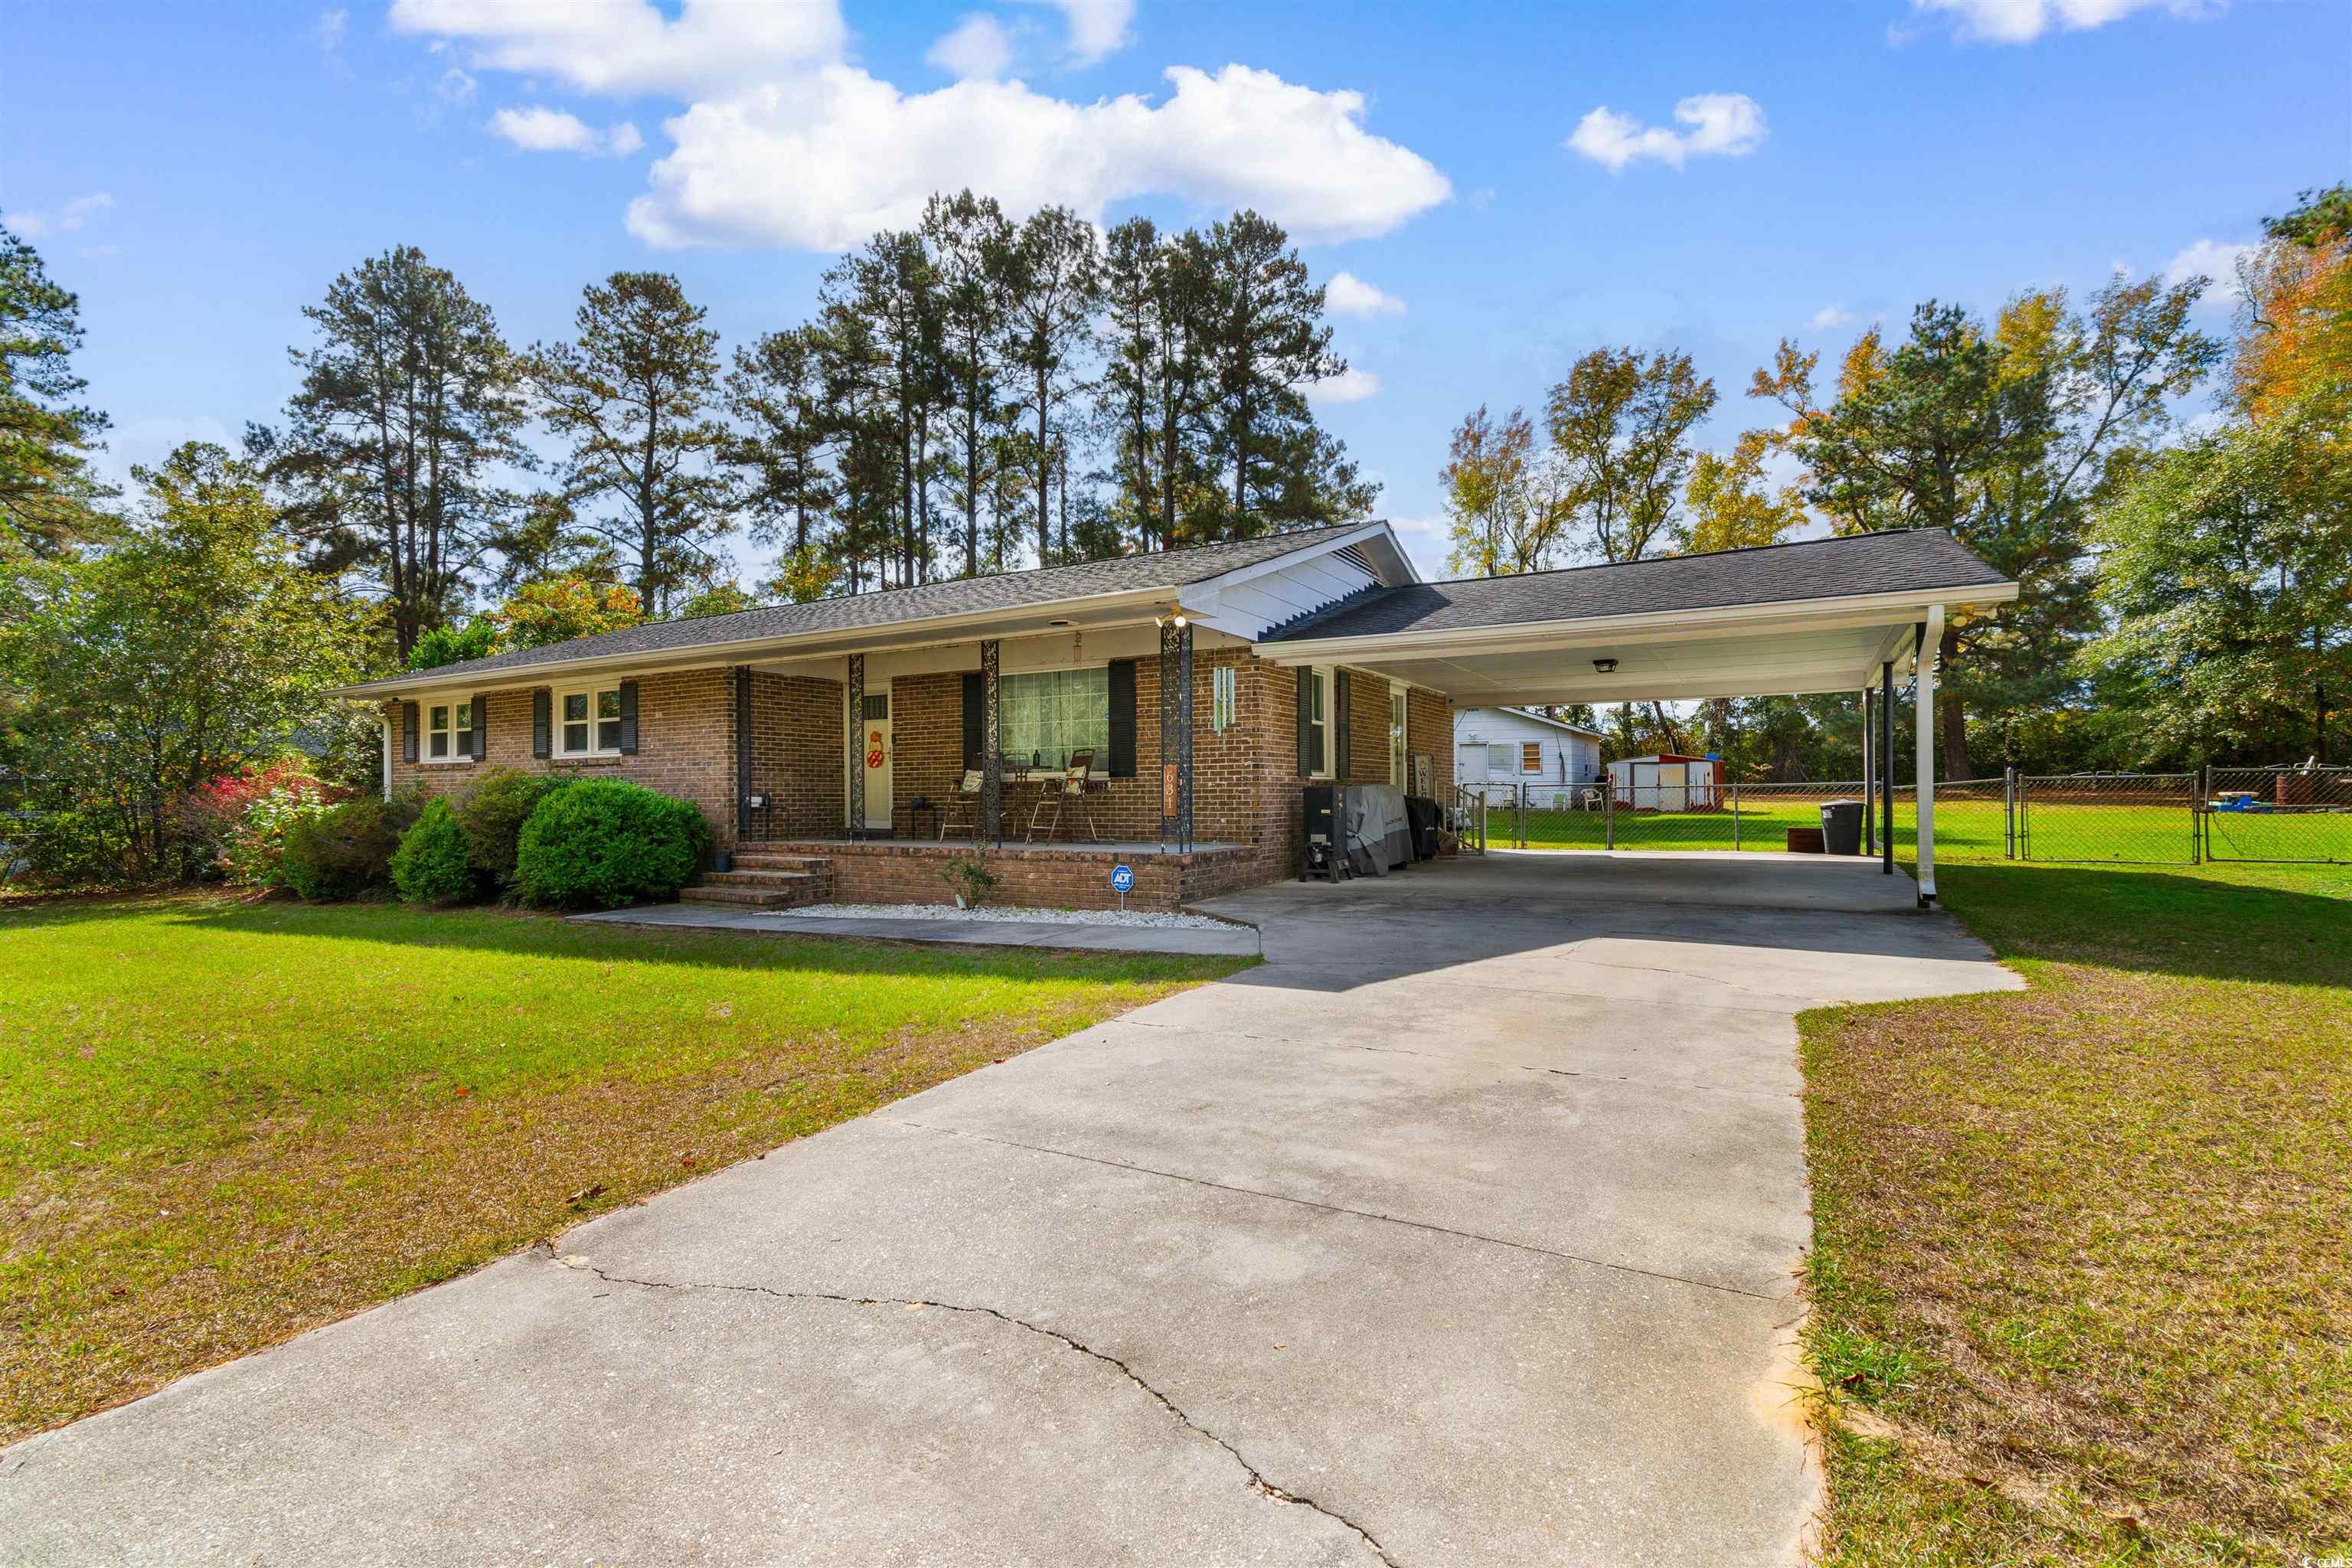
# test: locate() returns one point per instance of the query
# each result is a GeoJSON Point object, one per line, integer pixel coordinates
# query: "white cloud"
{"type": "Point", "coordinates": [68, 219]}
{"type": "Point", "coordinates": [1097, 29]}
{"type": "Point", "coordinates": [819, 162]}
{"type": "Point", "coordinates": [976, 46]}
{"type": "Point", "coordinates": [2214, 258]}
{"type": "Point", "coordinates": [2022, 21]}
{"type": "Point", "coordinates": [1350, 385]}
{"type": "Point", "coordinates": [333, 28]}
{"type": "Point", "coordinates": [1721, 124]}
{"type": "Point", "coordinates": [631, 46]}
{"type": "Point", "coordinates": [1349, 295]}
{"type": "Point", "coordinates": [1827, 317]}
{"type": "Point", "coordinates": [455, 88]}
{"type": "Point", "coordinates": [542, 129]}
{"type": "Point", "coordinates": [782, 143]}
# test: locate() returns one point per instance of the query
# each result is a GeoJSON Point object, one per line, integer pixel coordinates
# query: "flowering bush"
{"type": "Point", "coordinates": [243, 816]}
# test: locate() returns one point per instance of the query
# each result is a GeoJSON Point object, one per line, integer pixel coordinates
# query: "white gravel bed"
{"type": "Point", "coordinates": [1157, 919]}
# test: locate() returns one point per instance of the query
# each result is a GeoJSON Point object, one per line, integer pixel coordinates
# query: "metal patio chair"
{"type": "Point", "coordinates": [1068, 790]}
{"type": "Point", "coordinates": [963, 811]}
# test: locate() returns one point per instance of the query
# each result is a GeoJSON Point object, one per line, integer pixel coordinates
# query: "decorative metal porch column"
{"type": "Point", "coordinates": [991, 758]}
{"type": "Point", "coordinates": [1176, 733]}
{"type": "Point", "coordinates": [854, 729]}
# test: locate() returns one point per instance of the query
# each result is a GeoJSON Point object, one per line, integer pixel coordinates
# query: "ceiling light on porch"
{"type": "Point", "coordinates": [1061, 623]}
{"type": "Point", "coordinates": [1605, 665]}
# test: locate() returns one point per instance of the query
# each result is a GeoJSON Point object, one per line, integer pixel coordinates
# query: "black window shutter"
{"type": "Point", "coordinates": [542, 722]}
{"type": "Point", "coordinates": [481, 726]}
{"type": "Point", "coordinates": [628, 718]}
{"type": "Point", "coordinates": [1343, 759]}
{"type": "Point", "coordinates": [975, 718]}
{"type": "Point", "coordinates": [1305, 721]}
{"type": "Point", "coordinates": [1122, 719]}
{"type": "Point", "coordinates": [408, 732]}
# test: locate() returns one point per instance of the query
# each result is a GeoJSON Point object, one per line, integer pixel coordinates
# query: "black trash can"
{"type": "Point", "coordinates": [1840, 827]}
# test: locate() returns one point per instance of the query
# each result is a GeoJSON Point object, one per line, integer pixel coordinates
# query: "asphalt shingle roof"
{"type": "Point", "coordinates": [861, 612]}
{"type": "Point", "coordinates": [1810, 569]}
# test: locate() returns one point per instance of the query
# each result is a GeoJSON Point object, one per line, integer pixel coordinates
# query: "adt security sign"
{"type": "Point", "coordinates": [1122, 878]}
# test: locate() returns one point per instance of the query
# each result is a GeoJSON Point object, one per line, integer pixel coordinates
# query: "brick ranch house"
{"type": "Point", "coordinates": [827, 742]}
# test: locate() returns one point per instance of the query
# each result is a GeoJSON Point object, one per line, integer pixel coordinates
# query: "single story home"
{"type": "Point", "coordinates": [854, 744]}
{"type": "Point", "coordinates": [1505, 748]}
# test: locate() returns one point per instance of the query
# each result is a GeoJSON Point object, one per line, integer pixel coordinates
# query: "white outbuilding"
{"type": "Point", "coordinates": [1503, 747]}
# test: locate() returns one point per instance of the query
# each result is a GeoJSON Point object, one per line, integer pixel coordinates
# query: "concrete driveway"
{"type": "Point", "coordinates": [1460, 1232]}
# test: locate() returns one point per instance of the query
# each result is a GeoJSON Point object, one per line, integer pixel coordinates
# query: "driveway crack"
{"type": "Point", "coordinates": [1256, 1478]}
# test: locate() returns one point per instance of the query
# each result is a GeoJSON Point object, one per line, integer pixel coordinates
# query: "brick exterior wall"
{"type": "Point", "coordinates": [1245, 781]}
{"type": "Point", "coordinates": [1065, 878]}
{"type": "Point", "coordinates": [799, 753]}
{"type": "Point", "coordinates": [686, 745]}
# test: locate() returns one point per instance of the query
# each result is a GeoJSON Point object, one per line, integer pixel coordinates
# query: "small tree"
{"type": "Point", "coordinates": [195, 644]}
{"type": "Point", "coordinates": [562, 608]}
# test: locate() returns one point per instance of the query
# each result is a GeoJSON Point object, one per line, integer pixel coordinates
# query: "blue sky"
{"type": "Point", "coordinates": [199, 174]}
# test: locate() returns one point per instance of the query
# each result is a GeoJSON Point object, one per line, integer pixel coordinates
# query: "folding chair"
{"type": "Point", "coordinates": [1070, 787]}
{"type": "Point", "coordinates": [963, 811]}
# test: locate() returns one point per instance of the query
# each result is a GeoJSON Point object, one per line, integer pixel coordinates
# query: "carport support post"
{"type": "Point", "coordinates": [1924, 850]}
{"type": "Point", "coordinates": [1869, 784]}
{"type": "Point", "coordinates": [1886, 768]}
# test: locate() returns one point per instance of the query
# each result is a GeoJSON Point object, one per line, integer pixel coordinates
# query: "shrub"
{"type": "Point", "coordinates": [346, 849]}
{"type": "Point", "coordinates": [609, 842]}
{"type": "Point", "coordinates": [431, 866]}
{"type": "Point", "coordinates": [492, 810]}
{"type": "Point", "coordinates": [242, 818]}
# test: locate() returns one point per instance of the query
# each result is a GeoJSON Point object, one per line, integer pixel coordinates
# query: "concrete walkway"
{"type": "Point", "coordinates": [1460, 1232]}
{"type": "Point", "coordinates": [1236, 941]}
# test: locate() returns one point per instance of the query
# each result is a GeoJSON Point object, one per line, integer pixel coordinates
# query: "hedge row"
{"type": "Point", "coordinates": [537, 840]}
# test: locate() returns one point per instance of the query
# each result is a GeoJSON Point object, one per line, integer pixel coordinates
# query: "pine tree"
{"type": "Point", "coordinates": [970, 245]}
{"type": "Point", "coordinates": [1055, 275]}
{"type": "Point", "coordinates": [632, 396]}
{"type": "Point", "coordinates": [1269, 342]}
{"type": "Point", "coordinates": [47, 494]}
{"type": "Point", "coordinates": [410, 410]}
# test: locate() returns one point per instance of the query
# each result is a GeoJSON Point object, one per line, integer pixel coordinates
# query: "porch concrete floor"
{"type": "Point", "coordinates": [1459, 1232]}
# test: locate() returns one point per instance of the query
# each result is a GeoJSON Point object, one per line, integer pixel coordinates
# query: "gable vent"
{"type": "Point", "coordinates": [1355, 557]}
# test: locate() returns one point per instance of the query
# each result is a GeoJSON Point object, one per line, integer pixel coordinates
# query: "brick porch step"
{"type": "Point", "coordinates": [759, 860]}
{"type": "Point", "coordinates": [765, 887]}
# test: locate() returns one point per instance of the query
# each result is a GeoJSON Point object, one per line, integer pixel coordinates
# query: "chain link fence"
{"type": "Point", "coordinates": [2288, 814]}
{"type": "Point", "coordinates": [2277, 815]}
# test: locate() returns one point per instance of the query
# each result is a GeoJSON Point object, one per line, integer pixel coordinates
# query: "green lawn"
{"type": "Point", "coordinates": [229, 1121]}
{"type": "Point", "coordinates": [1967, 827]}
{"type": "Point", "coordinates": [2079, 1283]}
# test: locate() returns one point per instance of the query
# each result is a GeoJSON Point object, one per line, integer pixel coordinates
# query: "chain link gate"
{"type": "Point", "coordinates": [2148, 819]}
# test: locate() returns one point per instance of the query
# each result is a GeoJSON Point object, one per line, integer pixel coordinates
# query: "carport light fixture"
{"type": "Point", "coordinates": [1605, 665]}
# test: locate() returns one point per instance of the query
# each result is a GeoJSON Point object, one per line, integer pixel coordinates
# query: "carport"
{"type": "Point", "coordinates": [1840, 615]}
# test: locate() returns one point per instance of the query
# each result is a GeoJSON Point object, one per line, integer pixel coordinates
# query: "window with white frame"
{"type": "Point", "coordinates": [449, 731]}
{"type": "Point", "coordinates": [588, 722]}
{"type": "Point", "coordinates": [1531, 756]}
{"type": "Point", "coordinates": [1396, 737]}
{"type": "Point", "coordinates": [1047, 717]}
{"type": "Point", "coordinates": [1499, 759]}
{"type": "Point", "coordinates": [1319, 723]}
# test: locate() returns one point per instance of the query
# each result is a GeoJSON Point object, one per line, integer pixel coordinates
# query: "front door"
{"type": "Point", "coordinates": [875, 758]}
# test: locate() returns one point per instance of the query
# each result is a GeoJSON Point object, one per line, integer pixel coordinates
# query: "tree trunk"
{"type": "Point", "coordinates": [1044, 517]}
{"type": "Point", "coordinates": [1954, 717]}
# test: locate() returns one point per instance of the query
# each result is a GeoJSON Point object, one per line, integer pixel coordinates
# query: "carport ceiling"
{"type": "Point", "coordinates": [1819, 616]}
{"type": "Point", "coordinates": [1781, 664]}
